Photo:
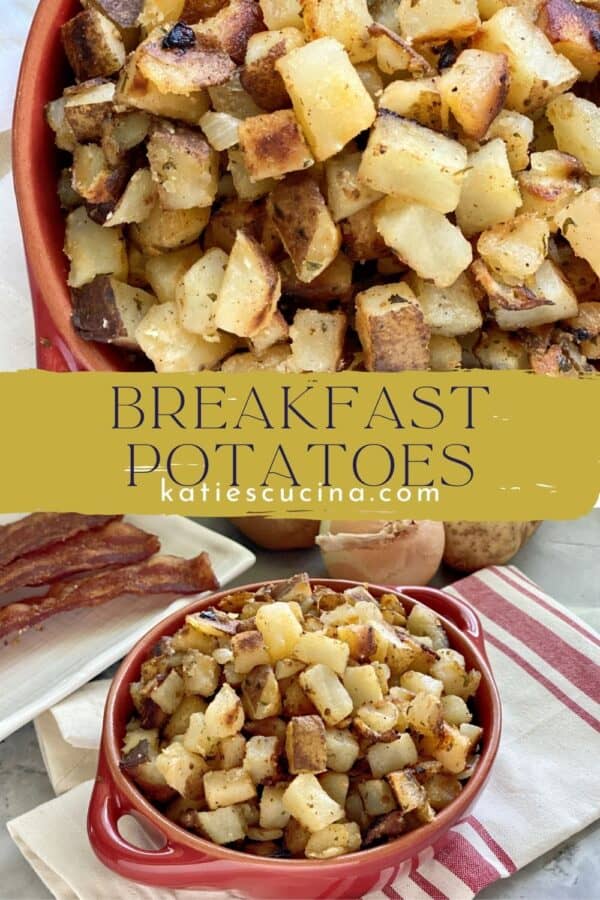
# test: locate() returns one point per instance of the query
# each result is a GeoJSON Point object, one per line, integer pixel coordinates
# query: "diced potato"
{"type": "Point", "coordinates": [327, 693]}
{"type": "Point", "coordinates": [273, 145]}
{"type": "Point", "coordinates": [86, 108]}
{"type": "Point", "coordinates": [280, 629]}
{"type": "Point", "coordinates": [231, 27]}
{"type": "Point", "coordinates": [418, 100]}
{"type": "Point", "coordinates": [418, 681]}
{"type": "Point", "coordinates": [572, 28]}
{"type": "Point", "coordinates": [316, 647]}
{"type": "Point", "coordinates": [342, 749]}
{"type": "Point", "coordinates": [501, 350]}
{"type": "Point", "coordinates": [425, 239]}
{"type": "Point", "coordinates": [259, 75]}
{"type": "Point", "coordinates": [155, 12]}
{"type": "Point", "coordinates": [191, 638]}
{"type": "Point", "coordinates": [133, 90]}
{"type": "Point", "coordinates": [232, 751]}
{"type": "Point", "coordinates": [454, 710]}
{"type": "Point", "coordinates": [121, 132]}
{"type": "Point", "coordinates": [345, 20]}
{"type": "Point", "coordinates": [273, 814]}
{"type": "Point", "coordinates": [317, 340]}
{"type": "Point", "coordinates": [180, 720]}
{"type": "Point", "coordinates": [282, 13]}
{"type": "Point", "coordinates": [576, 124]}
{"type": "Point", "coordinates": [182, 770]}
{"type": "Point", "coordinates": [489, 193]}
{"type": "Point", "coordinates": [424, 713]}
{"type": "Point", "coordinates": [336, 784]}
{"type": "Point", "coordinates": [547, 283]}
{"type": "Point", "coordinates": [64, 137]}
{"type": "Point", "coordinates": [319, 78]}
{"type": "Point", "coordinates": [474, 89]}
{"type": "Point", "coordinates": [361, 239]}
{"type": "Point", "coordinates": [109, 311]}
{"type": "Point", "coordinates": [376, 796]}
{"type": "Point", "coordinates": [249, 650]}
{"type": "Point", "coordinates": [136, 201]}
{"type": "Point", "coordinates": [224, 715]}
{"type": "Point", "coordinates": [472, 733]}
{"type": "Point", "coordinates": [169, 229]}
{"type": "Point", "coordinates": [552, 182]}
{"type": "Point", "coordinates": [164, 273]}
{"type": "Point", "coordinates": [172, 349]}
{"type": "Point", "coordinates": [442, 789]}
{"type": "Point", "coordinates": [188, 70]}
{"type": "Point", "coordinates": [200, 673]}
{"type": "Point", "coordinates": [273, 333]}
{"type": "Point", "coordinates": [536, 74]}
{"type": "Point", "coordinates": [515, 250]}
{"type": "Point", "coordinates": [363, 685]}
{"type": "Point", "coordinates": [346, 194]}
{"type": "Point", "coordinates": [452, 749]}
{"type": "Point", "coordinates": [516, 130]}
{"type": "Point", "coordinates": [423, 622]}
{"type": "Point", "coordinates": [305, 746]}
{"type": "Point", "coordinates": [413, 163]}
{"type": "Point", "coordinates": [260, 692]}
{"type": "Point", "coordinates": [312, 806]}
{"type": "Point", "coordinates": [449, 311]}
{"type": "Point", "coordinates": [249, 291]}
{"type": "Point", "coordinates": [261, 759]}
{"type": "Point", "coordinates": [392, 756]}
{"type": "Point", "coordinates": [184, 166]}
{"type": "Point", "coordinates": [379, 715]}
{"type": "Point", "coordinates": [228, 788]}
{"type": "Point", "coordinates": [449, 668]}
{"type": "Point", "coordinates": [392, 329]}
{"type": "Point", "coordinates": [431, 20]}
{"type": "Point", "coordinates": [407, 790]}
{"type": "Point", "coordinates": [197, 293]}
{"type": "Point", "coordinates": [93, 45]}
{"type": "Point", "coordinates": [334, 840]}
{"type": "Point", "coordinates": [223, 826]}
{"type": "Point", "coordinates": [93, 250]}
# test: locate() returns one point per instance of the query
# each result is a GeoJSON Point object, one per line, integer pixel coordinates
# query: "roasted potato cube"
{"type": "Point", "coordinates": [361, 239]}
{"type": "Point", "coordinates": [317, 340]}
{"type": "Point", "coordinates": [197, 291]}
{"type": "Point", "coordinates": [334, 840]}
{"type": "Point", "coordinates": [576, 124]}
{"type": "Point", "coordinates": [140, 764]}
{"type": "Point", "coordinates": [260, 692]}
{"type": "Point", "coordinates": [347, 21]}
{"type": "Point", "coordinates": [135, 203]}
{"type": "Point", "coordinates": [64, 137]}
{"type": "Point", "coordinates": [346, 195]}
{"type": "Point", "coordinates": [155, 12]}
{"type": "Point", "coordinates": [451, 749]}
{"type": "Point", "coordinates": [93, 45]}
{"type": "Point", "coordinates": [262, 759]}
{"type": "Point", "coordinates": [200, 673]}
{"type": "Point", "coordinates": [363, 685]}
{"type": "Point", "coordinates": [169, 229]}
{"type": "Point", "coordinates": [418, 100]}
{"type": "Point", "coordinates": [319, 77]}
{"type": "Point", "coordinates": [430, 20]}
{"type": "Point", "coordinates": [489, 193]}
{"type": "Point", "coordinates": [182, 70]}
{"type": "Point", "coordinates": [552, 182]}
{"type": "Point", "coordinates": [109, 311]}
{"type": "Point", "coordinates": [231, 27]}
{"type": "Point", "coordinates": [246, 189]}
{"type": "Point", "coordinates": [224, 715]}
{"type": "Point", "coordinates": [249, 650]}
{"type": "Point", "coordinates": [93, 250]}
{"type": "Point", "coordinates": [305, 746]}
{"type": "Point", "coordinates": [449, 668]}
{"type": "Point", "coordinates": [226, 788]}
{"type": "Point", "coordinates": [164, 273]}
{"type": "Point", "coordinates": [413, 163]}
{"type": "Point", "coordinates": [336, 784]}
{"type": "Point", "coordinates": [419, 681]}
{"type": "Point", "coordinates": [515, 250]}
{"type": "Point", "coordinates": [317, 647]}
{"type": "Point", "coordinates": [312, 806]}
{"type": "Point", "coordinates": [423, 622]}
{"type": "Point", "coordinates": [392, 329]}
{"type": "Point", "coordinates": [197, 740]}
{"type": "Point", "coordinates": [273, 333]}
{"type": "Point", "coordinates": [327, 693]}
{"type": "Point", "coordinates": [307, 230]}
{"type": "Point", "coordinates": [449, 311]}
{"type": "Point", "coordinates": [376, 796]}
{"type": "Point", "coordinates": [223, 826]}
{"type": "Point", "coordinates": [572, 28]}
{"type": "Point", "coordinates": [282, 13]}
{"type": "Point", "coordinates": [172, 349]}
{"type": "Point", "coordinates": [549, 284]}
{"type": "Point", "coordinates": [182, 770]}
{"type": "Point", "coordinates": [249, 291]}
{"type": "Point", "coordinates": [94, 180]}
{"type": "Point", "coordinates": [497, 349]}
{"type": "Point", "coordinates": [424, 713]}
{"type": "Point", "coordinates": [408, 792]}
{"type": "Point", "coordinates": [379, 715]}
{"type": "Point", "coordinates": [516, 130]}
{"type": "Point", "coordinates": [184, 166]}
{"type": "Point", "coordinates": [474, 89]}
{"type": "Point", "coordinates": [180, 720]}
{"type": "Point", "coordinates": [342, 749]}
{"type": "Point", "coordinates": [259, 75]}
{"type": "Point", "coordinates": [389, 757]}
{"type": "Point", "coordinates": [536, 75]}
{"type": "Point", "coordinates": [86, 108]}
{"type": "Point", "coordinates": [455, 711]}
{"type": "Point", "coordinates": [442, 789]}
{"type": "Point", "coordinates": [425, 239]}
{"type": "Point", "coordinates": [280, 629]}
{"type": "Point", "coordinates": [272, 811]}
{"type": "Point", "coordinates": [135, 90]}
{"type": "Point", "coordinates": [273, 145]}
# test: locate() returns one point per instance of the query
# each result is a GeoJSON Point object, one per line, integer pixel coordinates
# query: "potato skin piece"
{"type": "Point", "coordinates": [305, 745]}
{"type": "Point", "coordinates": [264, 83]}
{"type": "Point", "coordinates": [123, 13]}
{"type": "Point", "coordinates": [474, 545]}
{"type": "Point", "coordinates": [273, 145]}
{"type": "Point", "coordinates": [86, 48]}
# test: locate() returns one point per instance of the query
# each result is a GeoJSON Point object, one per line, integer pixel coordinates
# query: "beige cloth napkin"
{"type": "Point", "coordinates": [541, 792]}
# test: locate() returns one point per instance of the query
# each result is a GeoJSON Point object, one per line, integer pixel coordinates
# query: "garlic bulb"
{"type": "Point", "coordinates": [405, 552]}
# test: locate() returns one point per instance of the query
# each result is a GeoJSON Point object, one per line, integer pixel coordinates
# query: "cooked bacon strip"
{"type": "Point", "coordinates": [118, 543]}
{"type": "Point", "coordinates": [158, 575]}
{"type": "Point", "coordinates": [40, 530]}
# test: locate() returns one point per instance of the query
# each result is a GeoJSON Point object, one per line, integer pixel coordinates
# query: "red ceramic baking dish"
{"type": "Point", "coordinates": [187, 861]}
{"type": "Point", "coordinates": [44, 74]}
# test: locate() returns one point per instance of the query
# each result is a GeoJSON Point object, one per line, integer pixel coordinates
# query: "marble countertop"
{"type": "Point", "coordinates": [563, 558]}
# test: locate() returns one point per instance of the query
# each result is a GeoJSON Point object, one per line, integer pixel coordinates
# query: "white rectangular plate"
{"type": "Point", "coordinates": [49, 662]}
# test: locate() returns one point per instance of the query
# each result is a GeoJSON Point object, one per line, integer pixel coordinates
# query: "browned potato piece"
{"type": "Point", "coordinates": [124, 13]}
{"type": "Point", "coordinates": [259, 75]}
{"type": "Point", "coordinates": [361, 239]}
{"type": "Point", "coordinates": [93, 45]}
{"type": "Point", "coordinates": [109, 311]}
{"type": "Point", "coordinates": [429, 20]}
{"type": "Point", "coordinates": [260, 692]}
{"type": "Point", "coordinates": [87, 106]}
{"type": "Point", "coordinates": [135, 90]}
{"type": "Point", "coordinates": [475, 89]}
{"type": "Point", "coordinates": [273, 145]}
{"type": "Point", "coordinates": [475, 545]}
{"type": "Point", "coordinates": [347, 21]}
{"type": "Point", "coordinates": [182, 65]}
{"type": "Point", "coordinates": [305, 225]}
{"type": "Point", "coordinates": [93, 250]}
{"type": "Point", "coordinates": [553, 180]}
{"type": "Point", "coordinates": [232, 27]}
{"type": "Point", "coordinates": [305, 745]}
{"type": "Point", "coordinates": [95, 180]}
{"type": "Point", "coordinates": [392, 329]}
{"type": "Point", "coordinates": [250, 289]}
{"type": "Point", "coordinates": [169, 229]}
{"type": "Point", "coordinates": [497, 349]}
{"type": "Point", "coordinates": [418, 100]}
{"type": "Point", "coordinates": [184, 166]}
{"type": "Point", "coordinates": [573, 29]}
{"type": "Point", "coordinates": [334, 282]}
{"type": "Point", "coordinates": [317, 340]}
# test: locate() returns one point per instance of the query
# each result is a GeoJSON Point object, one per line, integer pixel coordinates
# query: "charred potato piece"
{"type": "Point", "coordinates": [392, 329]}
{"type": "Point", "coordinates": [109, 311]}
{"type": "Point", "coordinates": [181, 63]}
{"type": "Point", "coordinates": [259, 75]}
{"type": "Point", "coordinates": [573, 30]}
{"type": "Point", "coordinates": [87, 106]}
{"type": "Point", "coordinates": [184, 166]}
{"type": "Point", "coordinates": [249, 291]}
{"type": "Point", "coordinates": [93, 45]}
{"type": "Point", "coordinates": [273, 145]}
{"type": "Point", "coordinates": [232, 27]}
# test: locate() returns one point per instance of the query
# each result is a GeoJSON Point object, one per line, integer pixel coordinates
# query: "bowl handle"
{"type": "Point", "coordinates": [458, 611]}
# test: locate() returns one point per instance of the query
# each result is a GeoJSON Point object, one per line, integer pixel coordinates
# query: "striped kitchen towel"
{"type": "Point", "coordinates": [544, 786]}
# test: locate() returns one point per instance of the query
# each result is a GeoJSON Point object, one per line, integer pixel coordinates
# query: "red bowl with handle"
{"type": "Point", "coordinates": [187, 861]}
{"type": "Point", "coordinates": [43, 76]}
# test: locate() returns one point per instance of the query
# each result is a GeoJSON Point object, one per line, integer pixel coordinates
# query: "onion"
{"type": "Point", "coordinates": [405, 552]}
{"type": "Point", "coordinates": [220, 129]}
{"type": "Point", "coordinates": [279, 534]}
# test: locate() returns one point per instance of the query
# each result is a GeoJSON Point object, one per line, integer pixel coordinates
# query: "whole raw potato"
{"type": "Point", "coordinates": [474, 545]}
{"type": "Point", "coordinates": [279, 534]}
